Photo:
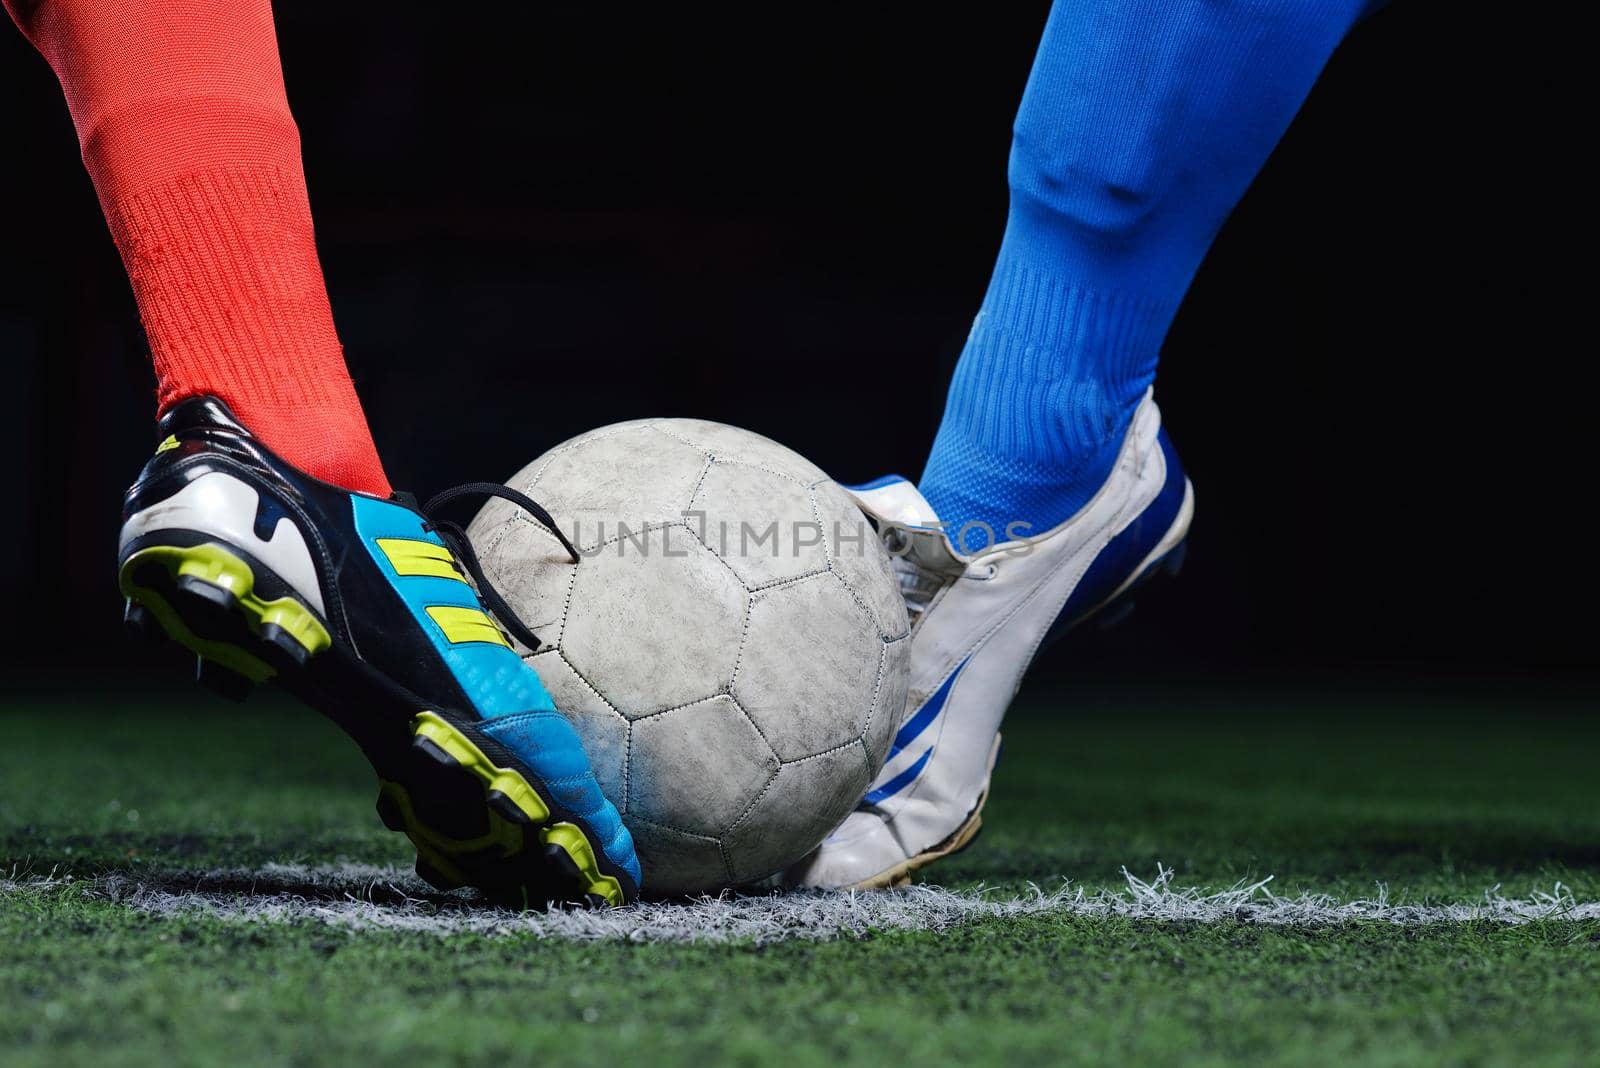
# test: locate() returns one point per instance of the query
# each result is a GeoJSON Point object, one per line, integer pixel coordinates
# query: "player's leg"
{"type": "Point", "coordinates": [263, 534]}
{"type": "Point", "coordinates": [187, 136]}
{"type": "Point", "coordinates": [1141, 126]}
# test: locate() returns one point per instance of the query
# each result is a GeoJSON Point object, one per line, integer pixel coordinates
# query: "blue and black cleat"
{"type": "Point", "coordinates": [370, 611]}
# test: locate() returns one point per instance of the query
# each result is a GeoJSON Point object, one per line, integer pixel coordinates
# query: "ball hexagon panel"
{"type": "Point", "coordinates": [743, 446]}
{"type": "Point", "coordinates": [532, 572]}
{"type": "Point", "coordinates": [634, 477]}
{"type": "Point", "coordinates": [674, 861]}
{"type": "Point", "coordinates": [808, 799]}
{"type": "Point", "coordinates": [603, 730]}
{"type": "Point", "coordinates": [657, 622]}
{"type": "Point", "coordinates": [697, 768]}
{"type": "Point", "coordinates": [760, 523]}
{"type": "Point", "coordinates": [578, 440]}
{"type": "Point", "coordinates": [809, 666]}
{"type": "Point", "coordinates": [857, 556]}
{"type": "Point", "coordinates": [889, 704]}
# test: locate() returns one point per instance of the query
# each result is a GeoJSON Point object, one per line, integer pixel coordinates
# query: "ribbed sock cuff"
{"type": "Point", "coordinates": [1044, 392]}
{"type": "Point", "coordinates": [1051, 370]}
{"type": "Point", "coordinates": [224, 269]}
{"type": "Point", "coordinates": [225, 273]}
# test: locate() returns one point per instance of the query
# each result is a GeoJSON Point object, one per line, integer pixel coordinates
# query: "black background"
{"type": "Point", "coordinates": [537, 223]}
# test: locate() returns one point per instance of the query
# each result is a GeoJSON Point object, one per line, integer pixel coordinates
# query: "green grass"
{"type": "Point", "coordinates": [1437, 798]}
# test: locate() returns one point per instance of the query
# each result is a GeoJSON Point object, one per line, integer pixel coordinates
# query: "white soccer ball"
{"type": "Point", "coordinates": [731, 646]}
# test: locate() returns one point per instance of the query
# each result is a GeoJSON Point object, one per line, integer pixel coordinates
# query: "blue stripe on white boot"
{"type": "Point", "coordinates": [977, 621]}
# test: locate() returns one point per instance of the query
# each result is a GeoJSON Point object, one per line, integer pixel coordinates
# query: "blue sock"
{"type": "Point", "coordinates": [1142, 124]}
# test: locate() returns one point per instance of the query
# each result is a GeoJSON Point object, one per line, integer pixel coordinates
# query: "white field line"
{"type": "Point", "coordinates": [363, 897]}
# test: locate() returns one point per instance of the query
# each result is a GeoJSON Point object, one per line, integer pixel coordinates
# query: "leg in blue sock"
{"type": "Point", "coordinates": [1142, 125]}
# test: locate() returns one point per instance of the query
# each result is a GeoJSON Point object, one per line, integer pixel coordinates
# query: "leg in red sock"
{"type": "Point", "coordinates": [186, 132]}
{"type": "Point", "coordinates": [358, 605]}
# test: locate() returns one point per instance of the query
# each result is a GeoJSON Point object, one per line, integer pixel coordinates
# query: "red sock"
{"type": "Point", "coordinates": [186, 131]}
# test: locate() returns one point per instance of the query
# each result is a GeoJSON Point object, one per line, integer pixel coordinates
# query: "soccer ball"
{"type": "Point", "coordinates": [731, 646]}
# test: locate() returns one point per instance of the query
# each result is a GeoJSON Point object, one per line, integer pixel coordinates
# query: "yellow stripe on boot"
{"type": "Point", "coordinates": [422, 558]}
{"type": "Point", "coordinates": [461, 625]}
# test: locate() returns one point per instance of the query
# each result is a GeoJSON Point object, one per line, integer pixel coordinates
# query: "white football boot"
{"type": "Point", "coordinates": [977, 621]}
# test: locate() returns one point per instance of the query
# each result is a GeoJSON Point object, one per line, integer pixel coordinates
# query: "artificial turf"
{"type": "Point", "coordinates": [1438, 797]}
